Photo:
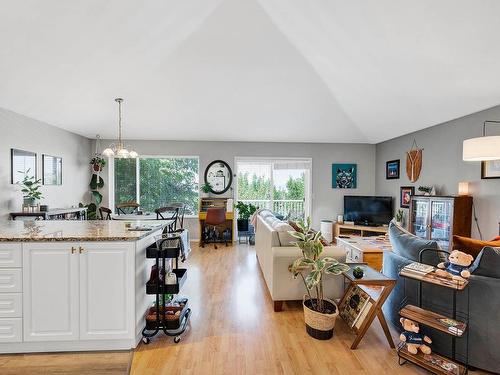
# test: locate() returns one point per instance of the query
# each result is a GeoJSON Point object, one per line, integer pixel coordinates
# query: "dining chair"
{"type": "Point", "coordinates": [168, 213]}
{"type": "Point", "coordinates": [105, 213]}
{"type": "Point", "coordinates": [125, 208]}
{"type": "Point", "coordinates": [182, 211]}
{"type": "Point", "coordinates": [215, 217]}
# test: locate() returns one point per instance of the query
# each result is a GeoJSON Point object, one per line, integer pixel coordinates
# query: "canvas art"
{"type": "Point", "coordinates": [344, 176]}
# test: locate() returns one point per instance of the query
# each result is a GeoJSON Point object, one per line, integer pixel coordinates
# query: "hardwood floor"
{"type": "Point", "coordinates": [234, 330]}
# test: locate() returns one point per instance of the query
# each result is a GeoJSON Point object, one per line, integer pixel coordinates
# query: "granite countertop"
{"type": "Point", "coordinates": [75, 230]}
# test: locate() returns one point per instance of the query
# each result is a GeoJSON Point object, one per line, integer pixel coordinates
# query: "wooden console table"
{"type": "Point", "coordinates": [369, 250]}
{"type": "Point", "coordinates": [54, 214]}
{"type": "Point", "coordinates": [378, 287]}
{"type": "Point", "coordinates": [357, 230]}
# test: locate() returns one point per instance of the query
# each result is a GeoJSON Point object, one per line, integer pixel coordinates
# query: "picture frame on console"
{"type": "Point", "coordinates": [392, 169]}
{"type": "Point", "coordinates": [490, 169]}
{"type": "Point", "coordinates": [405, 195]}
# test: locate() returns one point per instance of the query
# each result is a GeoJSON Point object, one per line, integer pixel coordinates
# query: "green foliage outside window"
{"type": "Point", "coordinates": [258, 187]}
{"type": "Point", "coordinates": [161, 182]}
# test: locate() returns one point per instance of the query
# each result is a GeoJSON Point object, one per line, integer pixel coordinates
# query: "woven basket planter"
{"type": "Point", "coordinates": [318, 325]}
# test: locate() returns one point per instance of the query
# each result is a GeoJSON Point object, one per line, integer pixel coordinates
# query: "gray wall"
{"type": "Point", "coordinates": [326, 202]}
{"type": "Point", "coordinates": [443, 166]}
{"type": "Point", "coordinates": [27, 134]}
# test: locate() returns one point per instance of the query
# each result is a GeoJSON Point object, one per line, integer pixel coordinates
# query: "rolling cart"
{"type": "Point", "coordinates": [172, 319]}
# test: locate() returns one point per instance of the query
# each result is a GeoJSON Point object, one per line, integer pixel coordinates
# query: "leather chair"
{"type": "Point", "coordinates": [215, 217]}
{"type": "Point", "coordinates": [105, 213]}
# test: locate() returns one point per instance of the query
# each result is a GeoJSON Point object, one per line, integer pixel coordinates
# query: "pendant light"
{"type": "Point", "coordinates": [482, 148]}
{"type": "Point", "coordinates": [118, 149]}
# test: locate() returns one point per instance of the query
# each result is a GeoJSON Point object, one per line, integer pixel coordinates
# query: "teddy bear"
{"type": "Point", "coordinates": [413, 338]}
{"type": "Point", "coordinates": [457, 266]}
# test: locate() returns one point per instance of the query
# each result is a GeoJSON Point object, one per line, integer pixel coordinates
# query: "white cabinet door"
{"type": "Point", "coordinates": [50, 292]}
{"type": "Point", "coordinates": [107, 291]}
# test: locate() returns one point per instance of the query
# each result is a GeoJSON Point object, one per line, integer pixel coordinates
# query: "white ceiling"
{"type": "Point", "coordinates": [257, 70]}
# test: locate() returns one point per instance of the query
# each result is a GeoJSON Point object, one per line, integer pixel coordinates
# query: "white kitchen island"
{"type": "Point", "coordinates": [73, 285]}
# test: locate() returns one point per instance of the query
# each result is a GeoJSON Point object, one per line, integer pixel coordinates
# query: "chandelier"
{"type": "Point", "coordinates": [118, 149]}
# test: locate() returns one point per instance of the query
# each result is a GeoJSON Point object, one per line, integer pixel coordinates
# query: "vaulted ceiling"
{"type": "Point", "coordinates": [257, 70]}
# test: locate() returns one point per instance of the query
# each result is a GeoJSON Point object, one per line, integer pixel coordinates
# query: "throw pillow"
{"type": "Point", "coordinates": [409, 246]}
{"type": "Point", "coordinates": [471, 246]}
{"type": "Point", "coordinates": [487, 263]}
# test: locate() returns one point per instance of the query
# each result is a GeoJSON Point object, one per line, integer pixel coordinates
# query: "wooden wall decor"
{"type": "Point", "coordinates": [414, 162]}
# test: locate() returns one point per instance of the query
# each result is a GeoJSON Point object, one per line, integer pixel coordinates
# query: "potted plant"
{"type": "Point", "coordinates": [206, 188]}
{"type": "Point", "coordinates": [97, 163]}
{"type": "Point", "coordinates": [31, 189]}
{"type": "Point", "coordinates": [399, 217]}
{"type": "Point", "coordinates": [245, 210]}
{"type": "Point", "coordinates": [320, 312]}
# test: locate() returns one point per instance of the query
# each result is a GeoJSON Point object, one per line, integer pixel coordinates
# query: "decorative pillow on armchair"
{"type": "Point", "coordinates": [472, 246]}
{"type": "Point", "coordinates": [409, 246]}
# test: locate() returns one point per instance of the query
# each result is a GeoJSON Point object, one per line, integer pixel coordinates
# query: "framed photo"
{"type": "Point", "coordinates": [392, 170]}
{"type": "Point", "coordinates": [405, 196]}
{"type": "Point", "coordinates": [490, 169]}
{"type": "Point", "coordinates": [51, 170]}
{"type": "Point", "coordinates": [21, 163]}
{"type": "Point", "coordinates": [344, 176]}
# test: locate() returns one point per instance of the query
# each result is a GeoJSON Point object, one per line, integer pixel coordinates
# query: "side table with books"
{"type": "Point", "coordinates": [363, 299]}
{"type": "Point", "coordinates": [450, 322]}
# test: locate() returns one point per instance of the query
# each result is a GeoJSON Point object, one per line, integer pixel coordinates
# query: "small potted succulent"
{"type": "Point", "coordinates": [31, 189]}
{"type": "Point", "coordinates": [320, 313]}
{"type": "Point", "coordinates": [206, 188]}
{"type": "Point", "coordinates": [245, 210]}
{"type": "Point", "coordinates": [98, 163]}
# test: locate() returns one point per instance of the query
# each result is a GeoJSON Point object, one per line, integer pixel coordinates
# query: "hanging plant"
{"type": "Point", "coordinates": [98, 163]}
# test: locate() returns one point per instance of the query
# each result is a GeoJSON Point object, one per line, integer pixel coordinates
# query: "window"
{"type": "Point", "coordinates": [157, 181]}
{"type": "Point", "coordinates": [281, 185]}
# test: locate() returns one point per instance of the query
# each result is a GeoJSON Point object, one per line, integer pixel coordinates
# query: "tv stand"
{"type": "Point", "coordinates": [358, 230]}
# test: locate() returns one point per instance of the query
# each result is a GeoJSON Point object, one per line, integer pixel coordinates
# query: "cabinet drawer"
{"type": "Point", "coordinates": [11, 255]}
{"type": "Point", "coordinates": [11, 329]}
{"type": "Point", "coordinates": [11, 280]}
{"type": "Point", "coordinates": [11, 305]}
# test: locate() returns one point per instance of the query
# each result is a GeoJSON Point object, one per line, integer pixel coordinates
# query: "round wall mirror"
{"type": "Point", "coordinates": [218, 174]}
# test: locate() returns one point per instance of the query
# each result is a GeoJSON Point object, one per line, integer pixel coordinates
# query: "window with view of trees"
{"type": "Point", "coordinates": [161, 181]}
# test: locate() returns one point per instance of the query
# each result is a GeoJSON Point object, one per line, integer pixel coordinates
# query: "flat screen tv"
{"type": "Point", "coordinates": [368, 210]}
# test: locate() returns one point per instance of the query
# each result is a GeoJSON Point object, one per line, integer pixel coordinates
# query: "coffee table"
{"type": "Point", "coordinates": [378, 287]}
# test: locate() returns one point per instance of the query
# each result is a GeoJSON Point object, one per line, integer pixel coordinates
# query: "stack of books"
{"type": "Point", "coordinates": [425, 272]}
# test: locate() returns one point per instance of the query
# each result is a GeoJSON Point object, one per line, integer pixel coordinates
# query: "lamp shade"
{"type": "Point", "coordinates": [463, 188]}
{"type": "Point", "coordinates": [482, 148]}
{"type": "Point", "coordinates": [108, 152]}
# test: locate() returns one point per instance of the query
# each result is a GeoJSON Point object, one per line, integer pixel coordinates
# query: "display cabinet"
{"type": "Point", "coordinates": [438, 218]}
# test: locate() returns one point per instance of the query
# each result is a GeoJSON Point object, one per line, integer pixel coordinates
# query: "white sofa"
{"type": "Point", "coordinates": [275, 254]}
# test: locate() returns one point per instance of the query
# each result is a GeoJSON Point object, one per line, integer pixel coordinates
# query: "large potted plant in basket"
{"type": "Point", "coordinates": [245, 210]}
{"type": "Point", "coordinates": [320, 312]}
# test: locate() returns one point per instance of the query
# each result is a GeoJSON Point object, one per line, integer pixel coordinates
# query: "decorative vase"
{"type": "Point", "coordinates": [318, 325]}
{"type": "Point", "coordinates": [29, 201]}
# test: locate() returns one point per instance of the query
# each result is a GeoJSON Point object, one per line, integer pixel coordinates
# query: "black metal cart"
{"type": "Point", "coordinates": [166, 252]}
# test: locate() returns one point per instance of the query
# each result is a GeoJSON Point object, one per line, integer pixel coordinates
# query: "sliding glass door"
{"type": "Point", "coordinates": [282, 185]}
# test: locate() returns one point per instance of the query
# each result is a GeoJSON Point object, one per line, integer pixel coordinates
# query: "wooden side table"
{"type": "Point", "coordinates": [378, 287]}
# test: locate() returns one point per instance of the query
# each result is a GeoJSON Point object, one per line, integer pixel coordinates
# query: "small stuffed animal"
{"type": "Point", "coordinates": [413, 338]}
{"type": "Point", "coordinates": [457, 266]}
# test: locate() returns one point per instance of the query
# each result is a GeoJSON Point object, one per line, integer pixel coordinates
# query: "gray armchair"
{"type": "Point", "coordinates": [482, 295]}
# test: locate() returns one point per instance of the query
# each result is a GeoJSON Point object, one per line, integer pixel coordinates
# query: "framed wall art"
{"type": "Point", "coordinates": [22, 163]}
{"type": "Point", "coordinates": [392, 168]}
{"type": "Point", "coordinates": [51, 170]}
{"type": "Point", "coordinates": [405, 196]}
{"type": "Point", "coordinates": [490, 169]}
{"type": "Point", "coordinates": [344, 176]}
